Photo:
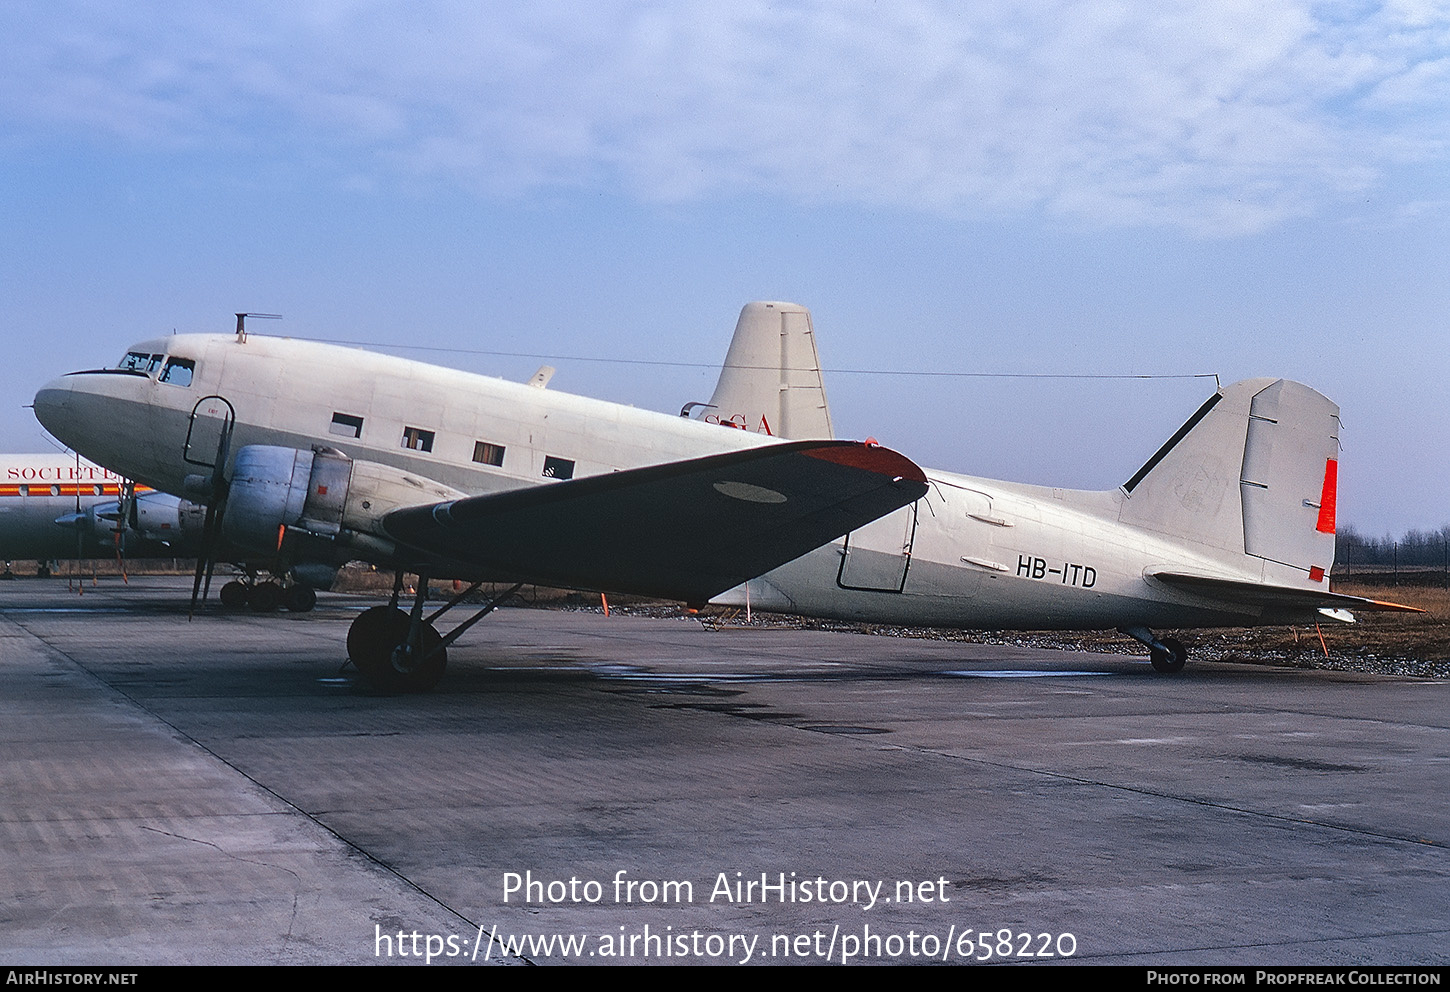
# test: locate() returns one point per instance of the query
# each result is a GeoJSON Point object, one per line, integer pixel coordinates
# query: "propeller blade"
{"type": "Point", "coordinates": [212, 525]}
{"type": "Point", "coordinates": [120, 561]}
{"type": "Point", "coordinates": [202, 558]}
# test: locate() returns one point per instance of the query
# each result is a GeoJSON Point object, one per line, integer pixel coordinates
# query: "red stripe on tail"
{"type": "Point", "coordinates": [1327, 497]}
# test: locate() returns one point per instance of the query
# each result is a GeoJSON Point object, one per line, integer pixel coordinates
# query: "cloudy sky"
{"type": "Point", "coordinates": [1055, 188]}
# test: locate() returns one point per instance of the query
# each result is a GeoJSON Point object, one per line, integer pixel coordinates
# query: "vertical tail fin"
{"type": "Point", "coordinates": [1253, 472]}
{"type": "Point", "coordinates": [771, 381]}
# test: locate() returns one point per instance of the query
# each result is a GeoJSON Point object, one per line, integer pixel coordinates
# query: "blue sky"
{"type": "Point", "coordinates": [1240, 188]}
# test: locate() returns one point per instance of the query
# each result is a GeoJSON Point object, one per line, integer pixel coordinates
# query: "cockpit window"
{"type": "Point", "coordinates": [140, 361]}
{"type": "Point", "coordinates": [178, 371]}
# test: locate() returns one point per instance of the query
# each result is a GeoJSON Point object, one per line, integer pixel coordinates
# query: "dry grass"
{"type": "Point", "coordinates": [1419, 636]}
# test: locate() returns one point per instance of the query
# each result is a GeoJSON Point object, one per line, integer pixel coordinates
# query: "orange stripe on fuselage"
{"type": "Point", "coordinates": [67, 489]}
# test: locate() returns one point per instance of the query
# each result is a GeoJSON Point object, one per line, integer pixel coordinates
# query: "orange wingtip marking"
{"type": "Point", "coordinates": [1397, 606]}
{"type": "Point", "coordinates": [871, 458]}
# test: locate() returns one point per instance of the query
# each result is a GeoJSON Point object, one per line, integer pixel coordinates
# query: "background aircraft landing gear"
{"type": "Point", "coordinates": [1167, 655]}
{"type": "Point", "coordinates": [378, 644]}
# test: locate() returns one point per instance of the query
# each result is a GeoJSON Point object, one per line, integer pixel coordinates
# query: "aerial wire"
{"type": "Point", "coordinates": [929, 373]}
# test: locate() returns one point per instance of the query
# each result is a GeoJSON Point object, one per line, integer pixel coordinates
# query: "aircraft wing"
{"type": "Point", "coordinates": [1274, 597]}
{"type": "Point", "coordinates": [682, 530]}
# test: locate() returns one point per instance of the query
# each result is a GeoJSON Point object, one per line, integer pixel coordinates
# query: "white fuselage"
{"type": "Point", "coordinates": [972, 553]}
{"type": "Point", "coordinates": [415, 417]}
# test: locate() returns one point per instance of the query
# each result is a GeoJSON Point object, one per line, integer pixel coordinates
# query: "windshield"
{"type": "Point", "coordinates": [139, 361]}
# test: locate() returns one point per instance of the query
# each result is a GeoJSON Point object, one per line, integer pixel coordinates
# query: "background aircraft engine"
{"type": "Point", "coordinates": [274, 487]}
{"type": "Point", "coordinates": [167, 520]}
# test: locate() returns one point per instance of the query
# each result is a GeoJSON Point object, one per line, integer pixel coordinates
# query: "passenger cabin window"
{"type": "Point", "coordinates": [178, 371]}
{"type": "Point", "coordinates": [487, 454]}
{"type": "Point", "coordinates": [417, 439]}
{"type": "Point", "coordinates": [558, 468]}
{"type": "Point", "coordinates": [346, 425]}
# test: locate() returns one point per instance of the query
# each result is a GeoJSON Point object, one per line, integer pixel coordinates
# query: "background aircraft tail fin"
{"type": "Point", "coordinates": [771, 381]}
{"type": "Point", "coordinates": [1253, 472]}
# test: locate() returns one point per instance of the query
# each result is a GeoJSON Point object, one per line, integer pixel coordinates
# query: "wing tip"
{"type": "Point", "coordinates": [870, 457]}
{"type": "Point", "coordinates": [1388, 607]}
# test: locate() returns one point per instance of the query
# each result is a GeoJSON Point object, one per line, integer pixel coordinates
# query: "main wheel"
{"type": "Point", "coordinates": [299, 598]}
{"type": "Point", "coordinates": [377, 643]}
{"type": "Point", "coordinates": [264, 597]}
{"type": "Point", "coordinates": [1172, 660]}
{"type": "Point", "coordinates": [233, 595]}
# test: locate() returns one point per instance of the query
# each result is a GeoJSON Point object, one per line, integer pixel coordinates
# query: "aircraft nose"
{"type": "Point", "coordinates": [53, 407]}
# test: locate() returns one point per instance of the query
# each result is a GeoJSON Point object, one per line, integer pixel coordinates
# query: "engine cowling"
{"type": "Point", "coordinates": [320, 492]}
{"type": "Point", "coordinates": [166, 519]}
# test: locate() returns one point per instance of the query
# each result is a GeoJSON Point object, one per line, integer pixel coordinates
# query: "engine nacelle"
{"type": "Point", "coordinates": [151, 519]}
{"type": "Point", "coordinates": [168, 520]}
{"type": "Point", "coordinates": [321, 492]}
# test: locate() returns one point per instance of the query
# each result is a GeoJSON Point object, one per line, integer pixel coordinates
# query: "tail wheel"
{"type": "Point", "coordinates": [1169, 661]}
{"type": "Point", "coordinates": [377, 643]}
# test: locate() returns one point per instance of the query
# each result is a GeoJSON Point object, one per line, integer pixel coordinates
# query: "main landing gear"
{"type": "Point", "coordinates": [403, 652]}
{"type": "Point", "coordinates": [266, 597]}
{"type": "Point", "coordinates": [1167, 655]}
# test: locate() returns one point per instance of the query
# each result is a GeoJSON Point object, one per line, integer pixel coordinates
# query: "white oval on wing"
{"type": "Point", "coordinates": [749, 493]}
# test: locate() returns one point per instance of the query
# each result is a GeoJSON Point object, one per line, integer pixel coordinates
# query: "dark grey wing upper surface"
{"type": "Point", "coordinates": [681, 530]}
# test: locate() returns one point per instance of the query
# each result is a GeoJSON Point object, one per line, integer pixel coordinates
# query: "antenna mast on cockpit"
{"type": "Point", "coordinates": [242, 323]}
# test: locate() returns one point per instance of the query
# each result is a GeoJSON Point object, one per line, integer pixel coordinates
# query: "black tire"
{"type": "Point", "coordinates": [1171, 661]}
{"type": "Point", "coordinates": [377, 645]}
{"type": "Point", "coordinates": [264, 597]}
{"type": "Point", "coordinates": [299, 598]}
{"type": "Point", "coordinates": [233, 595]}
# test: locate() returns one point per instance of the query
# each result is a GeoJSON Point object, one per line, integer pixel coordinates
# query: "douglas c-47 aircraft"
{"type": "Point", "coordinates": [311, 453]}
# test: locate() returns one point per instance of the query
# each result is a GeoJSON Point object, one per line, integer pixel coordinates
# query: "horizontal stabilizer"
{"type": "Point", "coordinates": [1273, 596]}
{"type": "Point", "coordinates": [682, 530]}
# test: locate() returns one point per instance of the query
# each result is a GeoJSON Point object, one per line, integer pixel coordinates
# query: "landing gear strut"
{"type": "Point", "coordinates": [403, 652]}
{"type": "Point", "coordinates": [1167, 655]}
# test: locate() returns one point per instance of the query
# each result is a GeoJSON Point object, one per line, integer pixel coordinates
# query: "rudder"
{"type": "Point", "coordinates": [1253, 472]}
